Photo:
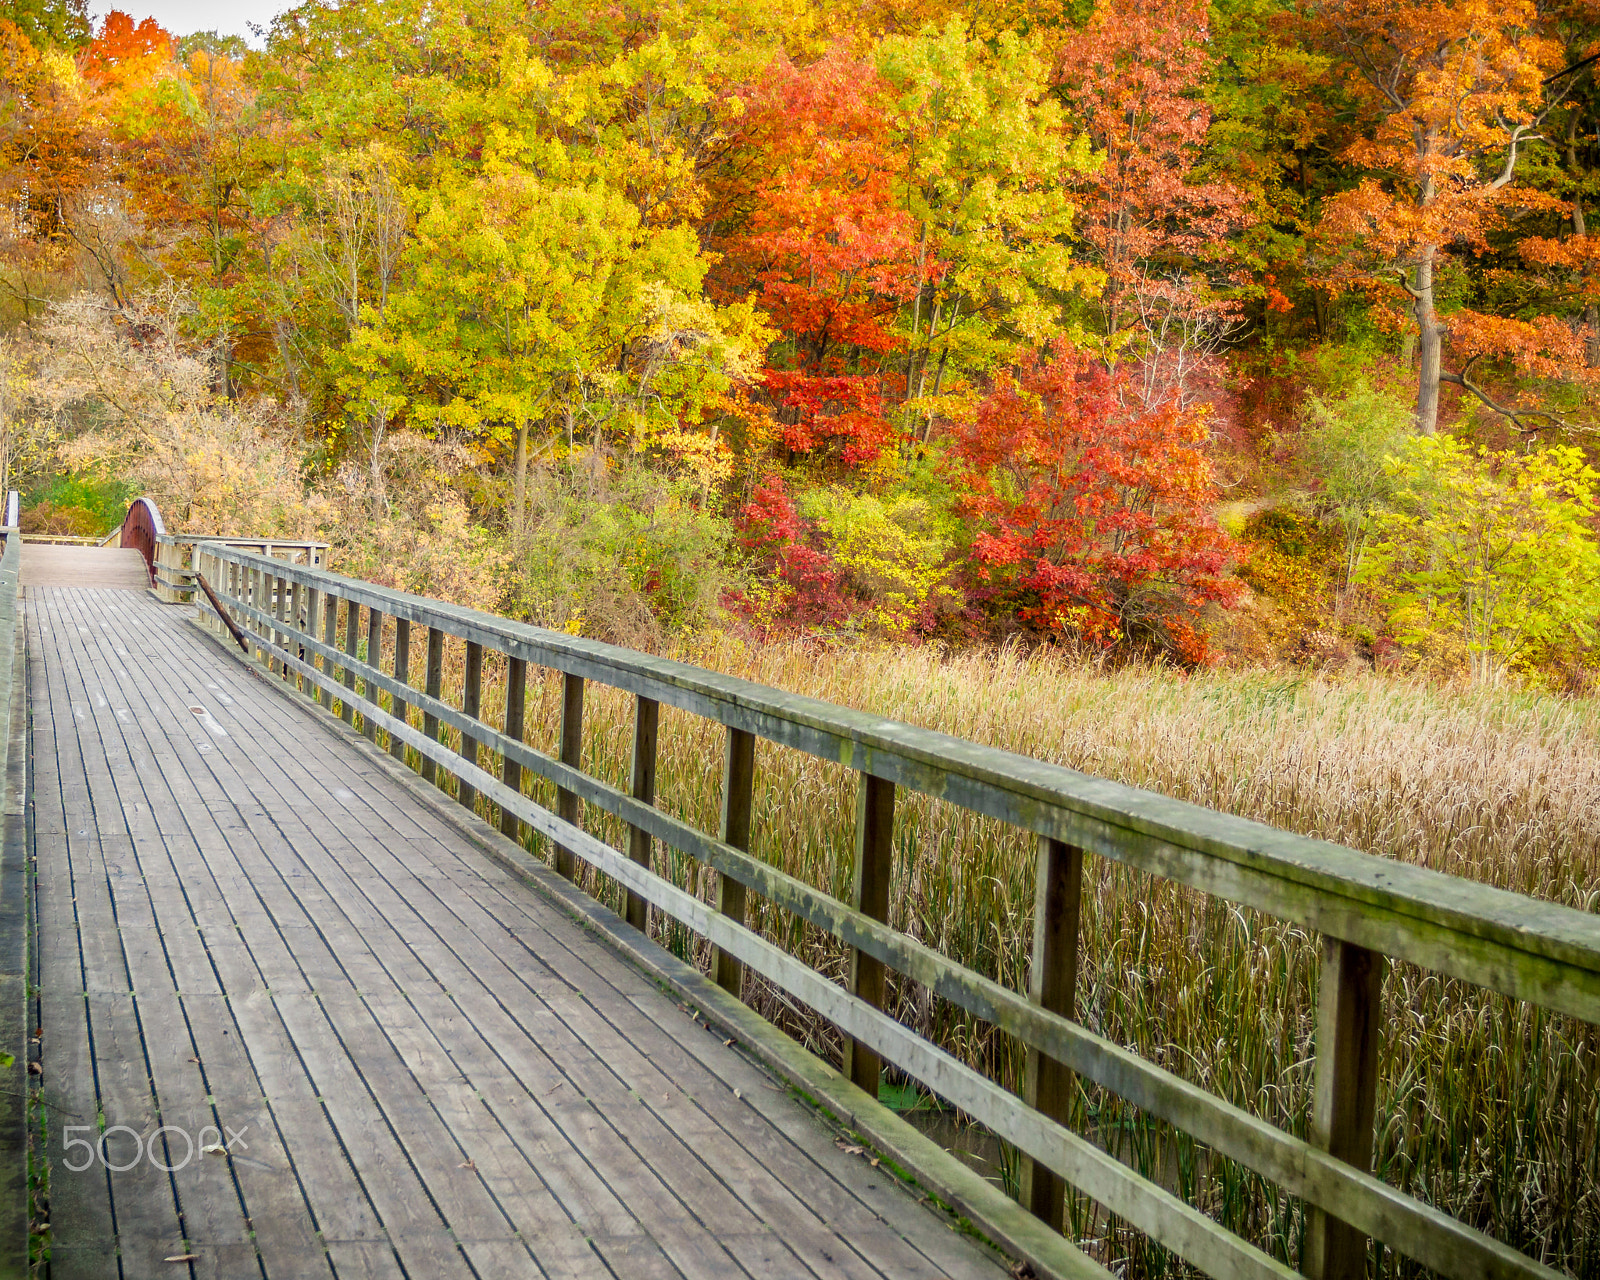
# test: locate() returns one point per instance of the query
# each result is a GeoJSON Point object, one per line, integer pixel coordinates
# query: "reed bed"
{"type": "Point", "coordinates": [1488, 1108]}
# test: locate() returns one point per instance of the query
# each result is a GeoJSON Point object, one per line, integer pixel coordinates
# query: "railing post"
{"type": "Point", "coordinates": [1344, 1105]}
{"type": "Point", "coordinates": [402, 675]}
{"type": "Point", "coordinates": [646, 720]}
{"type": "Point", "coordinates": [874, 865]}
{"type": "Point", "coordinates": [369, 726]}
{"type": "Point", "coordinates": [313, 600]}
{"type": "Point", "coordinates": [516, 710]}
{"type": "Point", "coordinates": [471, 706]}
{"type": "Point", "coordinates": [568, 807]}
{"type": "Point", "coordinates": [352, 634]}
{"type": "Point", "coordinates": [296, 593]}
{"type": "Point", "coordinates": [330, 637]}
{"type": "Point", "coordinates": [738, 791]}
{"type": "Point", "coordinates": [435, 682]}
{"type": "Point", "coordinates": [278, 595]}
{"type": "Point", "coordinates": [252, 593]}
{"type": "Point", "coordinates": [1052, 985]}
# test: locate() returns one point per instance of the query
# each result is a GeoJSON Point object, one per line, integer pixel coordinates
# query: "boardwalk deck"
{"type": "Point", "coordinates": [47, 565]}
{"type": "Point", "coordinates": [246, 927]}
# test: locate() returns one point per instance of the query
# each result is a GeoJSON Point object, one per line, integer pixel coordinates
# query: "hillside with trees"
{"type": "Point", "coordinates": [1250, 332]}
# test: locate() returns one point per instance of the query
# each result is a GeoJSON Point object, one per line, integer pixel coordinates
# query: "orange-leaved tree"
{"type": "Point", "coordinates": [1094, 507]}
{"type": "Point", "coordinates": [1450, 94]}
{"type": "Point", "coordinates": [1135, 80]}
{"type": "Point", "coordinates": [818, 241]}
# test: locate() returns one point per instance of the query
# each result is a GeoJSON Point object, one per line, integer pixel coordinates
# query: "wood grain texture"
{"type": "Point", "coordinates": [247, 922]}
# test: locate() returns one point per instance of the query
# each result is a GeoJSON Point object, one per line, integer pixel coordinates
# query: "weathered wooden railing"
{"type": "Point", "coordinates": [13, 912]}
{"type": "Point", "coordinates": [308, 624]}
{"type": "Point", "coordinates": [169, 557]}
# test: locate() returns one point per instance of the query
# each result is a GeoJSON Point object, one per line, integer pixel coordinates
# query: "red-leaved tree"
{"type": "Point", "coordinates": [796, 583]}
{"type": "Point", "coordinates": [820, 245]}
{"type": "Point", "coordinates": [1094, 508]}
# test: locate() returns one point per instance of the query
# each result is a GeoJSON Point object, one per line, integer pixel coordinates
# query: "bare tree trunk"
{"type": "Point", "coordinates": [1430, 342]}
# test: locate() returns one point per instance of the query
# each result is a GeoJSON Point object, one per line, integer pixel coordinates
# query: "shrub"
{"type": "Point", "coordinates": [1094, 509]}
{"type": "Point", "coordinates": [794, 582]}
{"type": "Point", "coordinates": [624, 555]}
{"type": "Point", "coordinates": [893, 553]}
{"type": "Point", "coordinates": [1494, 552]}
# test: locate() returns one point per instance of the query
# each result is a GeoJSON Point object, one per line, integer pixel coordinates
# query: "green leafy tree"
{"type": "Point", "coordinates": [1495, 552]}
{"type": "Point", "coordinates": [1347, 445]}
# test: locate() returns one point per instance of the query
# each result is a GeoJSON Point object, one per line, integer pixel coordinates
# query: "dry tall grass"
{"type": "Point", "coordinates": [1487, 1108]}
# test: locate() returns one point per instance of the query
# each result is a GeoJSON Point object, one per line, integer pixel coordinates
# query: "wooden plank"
{"type": "Point", "coordinates": [1048, 1086]}
{"type": "Point", "coordinates": [80, 1202]}
{"type": "Point", "coordinates": [335, 1201]}
{"type": "Point", "coordinates": [471, 704]}
{"type": "Point", "coordinates": [646, 726]}
{"type": "Point", "coordinates": [352, 630]}
{"type": "Point", "coordinates": [874, 869]}
{"type": "Point", "coordinates": [738, 793]}
{"type": "Point", "coordinates": [516, 709]}
{"type": "Point", "coordinates": [1344, 1102]}
{"type": "Point", "coordinates": [330, 629]}
{"type": "Point", "coordinates": [402, 676]}
{"type": "Point", "coordinates": [374, 658]}
{"type": "Point", "coordinates": [568, 805]}
{"type": "Point", "coordinates": [149, 1228]}
{"type": "Point", "coordinates": [434, 682]}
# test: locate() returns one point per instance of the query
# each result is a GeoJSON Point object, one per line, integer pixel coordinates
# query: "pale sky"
{"type": "Point", "coordinates": [183, 17]}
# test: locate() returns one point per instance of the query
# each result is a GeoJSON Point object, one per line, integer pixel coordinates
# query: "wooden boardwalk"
{"type": "Point", "coordinates": [362, 1048]}
{"type": "Point", "coordinates": [46, 565]}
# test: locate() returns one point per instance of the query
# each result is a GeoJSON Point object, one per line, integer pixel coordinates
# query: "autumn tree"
{"type": "Point", "coordinates": [1451, 95]}
{"type": "Point", "coordinates": [59, 23]}
{"type": "Point", "coordinates": [1493, 551]}
{"type": "Point", "coordinates": [1094, 507]}
{"type": "Point", "coordinates": [820, 242]}
{"type": "Point", "coordinates": [1135, 77]}
{"type": "Point", "coordinates": [984, 155]}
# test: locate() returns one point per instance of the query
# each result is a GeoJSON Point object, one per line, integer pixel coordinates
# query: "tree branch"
{"type": "Point", "coordinates": [1405, 282]}
{"type": "Point", "coordinates": [1515, 415]}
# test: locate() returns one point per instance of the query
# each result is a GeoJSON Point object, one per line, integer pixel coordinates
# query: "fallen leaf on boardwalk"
{"type": "Point", "coordinates": [35, 1069]}
{"type": "Point", "coordinates": [728, 1042]}
{"type": "Point", "coordinates": [468, 1165]}
{"type": "Point", "coordinates": [554, 1087]}
{"type": "Point", "coordinates": [874, 1162]}
{"type": "Point", "coordinates": [196, 1061]}
{"type": "Point", "coordinates": [738, 1095]}
{"type": "Point", "coordinates": [183, 1257]}
{"type": "Point", "coordinates": [214, 1149]}
{"type": "Point", "coordinates": [850, 1149]}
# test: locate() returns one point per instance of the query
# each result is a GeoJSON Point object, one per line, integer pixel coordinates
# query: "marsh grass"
{"type": "Point", "coordinates": [1488, 1108]}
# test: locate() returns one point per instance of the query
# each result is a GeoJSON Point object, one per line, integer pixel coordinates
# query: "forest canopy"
{"type": "Point", "coordinates": [1156, 328]}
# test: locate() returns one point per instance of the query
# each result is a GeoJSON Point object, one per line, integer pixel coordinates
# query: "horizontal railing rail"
{"type": "Point", "coordinates": [1366, 908]}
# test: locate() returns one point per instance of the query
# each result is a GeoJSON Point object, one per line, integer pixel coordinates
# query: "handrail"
{"type": "Point", "coordinates": [1366, 907]}
{"type": "Point", "coordinates": [14, 891]}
